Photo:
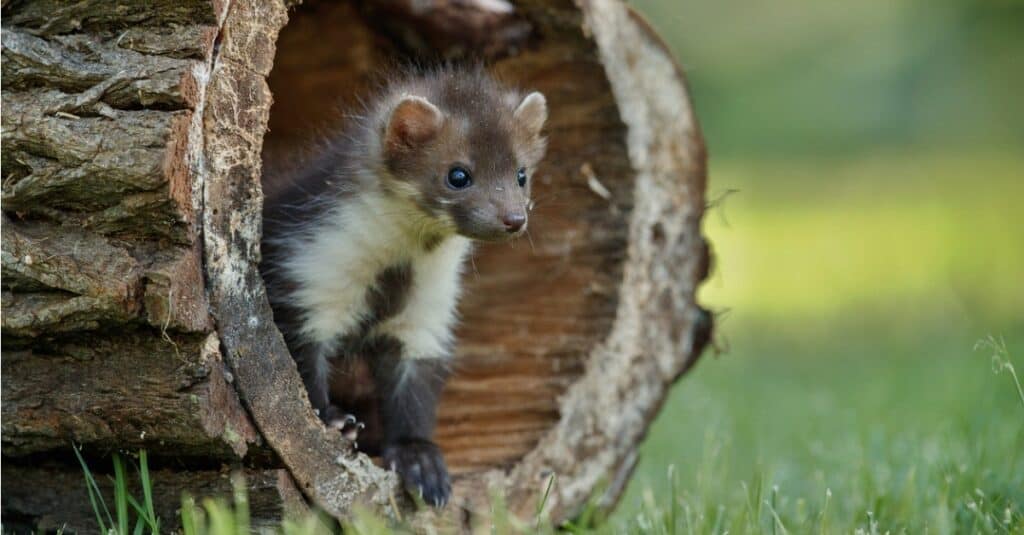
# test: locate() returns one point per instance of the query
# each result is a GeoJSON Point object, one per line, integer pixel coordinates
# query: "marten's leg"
{"type": "Point", "coordinates": [409, 390]}
{"type": "Point", "coordinates": [353, 396]}
{"type": "Point", "coordinates": [316, 370]}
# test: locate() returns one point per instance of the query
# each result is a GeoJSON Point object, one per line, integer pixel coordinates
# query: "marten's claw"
{"type": "Point", "coordinates": [347, 424]}
{"type": "Point", "coordinates": [349, 427]}
{"type": "Point", "coordinates": [420, 465]}
{"type": "Point", "coordinates": [352, 432]}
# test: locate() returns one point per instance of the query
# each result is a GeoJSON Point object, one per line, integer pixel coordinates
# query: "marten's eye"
{"type": "Point", "coordinates": [458, 178]}
{"type": "Point", "coordinates": [521, 177]}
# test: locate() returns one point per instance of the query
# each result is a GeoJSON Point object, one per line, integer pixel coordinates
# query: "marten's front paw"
{"type": "Point", "coordinates": [420, 465]}
{"type": "Point", "coordinates": [349, 425]}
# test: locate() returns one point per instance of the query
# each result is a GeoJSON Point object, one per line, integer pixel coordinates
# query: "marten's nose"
{"type": "Point", "coordinates": [514, 221]}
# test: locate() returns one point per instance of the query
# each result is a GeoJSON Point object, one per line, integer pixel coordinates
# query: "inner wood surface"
{"type": "Point", "coordinates": [532, 309]}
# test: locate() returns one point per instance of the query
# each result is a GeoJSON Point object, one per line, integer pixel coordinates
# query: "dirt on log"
{"type": "Point", "coordinates": [134, 138]}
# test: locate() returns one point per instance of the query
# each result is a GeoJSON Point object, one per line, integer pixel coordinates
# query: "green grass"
{"type": "Point", "coordinates": [775, 438]}
{"type": "Point", "coordinates": [780, 442]}
{"type": "Point", "coordinates": [142, 516]}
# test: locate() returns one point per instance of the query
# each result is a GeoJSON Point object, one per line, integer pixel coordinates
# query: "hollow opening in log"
{"type": "Point", "coordinates": [535, 308]}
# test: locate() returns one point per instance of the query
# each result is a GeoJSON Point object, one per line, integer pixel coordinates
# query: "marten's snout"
{"type": "Point", "coordinates": [513, 221]}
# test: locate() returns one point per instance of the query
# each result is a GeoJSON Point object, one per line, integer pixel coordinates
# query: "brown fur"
{"type": "Point", "coordinates": [470, 122]}
{"type": "Point", "coordinates": [415, 131]}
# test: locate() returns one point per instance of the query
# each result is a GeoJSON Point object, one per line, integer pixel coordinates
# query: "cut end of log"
{"type": "Point", "coordinates": [145, 148]}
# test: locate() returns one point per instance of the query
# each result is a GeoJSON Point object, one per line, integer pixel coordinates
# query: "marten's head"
{"type": "Point", "coordinates": [463, 149]}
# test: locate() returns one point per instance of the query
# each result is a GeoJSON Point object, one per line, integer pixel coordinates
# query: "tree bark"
{"type": "Point", "coordinates": [59, 499]}
{"type": "Point", "coordinates": [134, 135]}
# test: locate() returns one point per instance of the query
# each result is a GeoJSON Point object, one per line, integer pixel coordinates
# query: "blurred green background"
{"type": "Point", "coordinates": [866, 177]}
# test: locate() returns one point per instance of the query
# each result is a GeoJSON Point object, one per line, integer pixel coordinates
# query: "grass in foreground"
{"type": "Point", "coordinates": [924, 439]}
{"type": "Point", "coordinates": [911, 442]}
{"type": "Point", "coordinates": [142, 515]}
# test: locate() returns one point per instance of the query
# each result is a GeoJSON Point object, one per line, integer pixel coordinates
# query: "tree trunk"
{"type": "Point", "coordinates": [134, 134]}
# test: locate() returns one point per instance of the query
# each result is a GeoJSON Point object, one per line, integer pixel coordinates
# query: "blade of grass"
{"type": "Point", "coordinates": [94, 493]}
{"type": "Point", "coordinates": [1001, 360]}
{"type": "Point", "coordinates": [823, 526]}
{"type": "Point", "coordinates": [544, 500]}
{"type": "Point", "coordinates": [771, 505]}
{"type": "Point", "coordinates": [143, 515]}
{"type": "Point", "coordinates": [139, 508]}
{"type": "Point", "coordinates": [147, 493]}
{"type": "Point", "coordinates": [221, 520]}
{"type": "Point", "coordinates": [672, 499]}
{"type": "Point", "coordinates": [120, 495]}
{"type": "Point", "coordinates": [719, 513]}
{"type": "Point", "coordinates": [753, 496]}
{"type": "Point", "coordinates": [687, 516]}
{"type": "Point", "coordinates": [500, 524]}
{"type": "Point", "coordinates": [241, 503]}
{"type": "Point", "coordinates": [188, 519]}
{"type": "Point", "coordinates": [776, 521]}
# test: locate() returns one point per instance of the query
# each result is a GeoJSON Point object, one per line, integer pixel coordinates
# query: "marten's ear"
{"type": "Point", "coordinates": [532, 112]}
{"type": "Point", "coordinates": [413, 122]}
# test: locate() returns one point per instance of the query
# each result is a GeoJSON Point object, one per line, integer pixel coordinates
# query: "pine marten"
{"type": "Point", "coordinates": [363, 249]}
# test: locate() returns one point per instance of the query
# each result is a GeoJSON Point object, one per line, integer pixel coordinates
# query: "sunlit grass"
{"type": "Point", "coordinates": [900, 438]}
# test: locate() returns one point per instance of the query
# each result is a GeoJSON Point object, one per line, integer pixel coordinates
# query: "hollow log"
{"type": "Point", "coordinates": [134, 316]}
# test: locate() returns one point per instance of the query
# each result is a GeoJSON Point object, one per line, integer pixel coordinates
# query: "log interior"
{"type": "Point", "coordinates": [533, 309]}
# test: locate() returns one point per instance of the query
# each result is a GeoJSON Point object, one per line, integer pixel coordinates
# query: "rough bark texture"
{"type": "Point", "coordinates": [73, 386]}
{"type": "Point", "coordinates": [60, 500]}
{"type": "Point", "coordinates": [108, 339]}
{"type": "Point", "coordinates": [134, 135]}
